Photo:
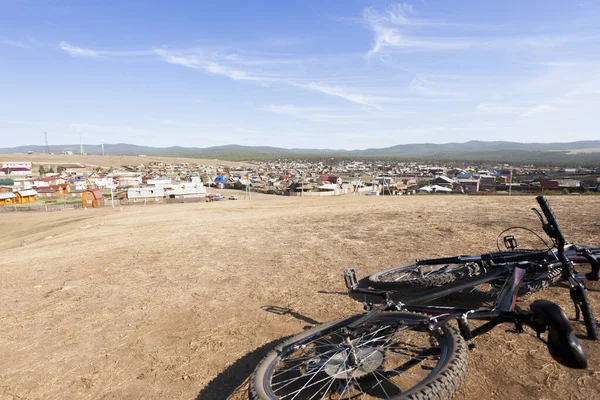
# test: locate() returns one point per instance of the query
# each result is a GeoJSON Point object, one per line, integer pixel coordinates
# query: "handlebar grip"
{"type": "Point", "coordinates": [548, 213]}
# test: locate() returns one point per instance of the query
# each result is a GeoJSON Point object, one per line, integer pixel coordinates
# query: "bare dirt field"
{"type": "Point", "coordinates": [109, 161]}
{"type": "Point", "coordinates": [175, 301]}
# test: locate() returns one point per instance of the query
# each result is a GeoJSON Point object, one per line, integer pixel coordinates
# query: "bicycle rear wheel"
{"type": "Point", "coordinates": [390, 357]}
{"type": "Point", "coordinates": [414, 275]}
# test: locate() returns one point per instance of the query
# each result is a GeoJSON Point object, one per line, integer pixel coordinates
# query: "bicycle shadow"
{"type": "Point", "coordinates": [231, 380]}
{"type": "Point", "coordinates": [288, 311]}
{"type": "Point", "coordinates": [234, 379]}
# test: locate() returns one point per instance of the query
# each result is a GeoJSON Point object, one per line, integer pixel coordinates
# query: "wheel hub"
{"type": "Point", "coordinates": [368, 360]}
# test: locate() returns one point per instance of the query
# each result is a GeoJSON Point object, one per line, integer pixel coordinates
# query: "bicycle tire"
{"type": "Point", "coordinates": [411, 276]}
{"type": "Point", "coordinates": [321, 353]}
{"type": "Point", "coordinates": [537, 283]}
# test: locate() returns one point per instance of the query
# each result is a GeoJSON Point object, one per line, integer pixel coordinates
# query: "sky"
{"type": "Point", "coordinates": [344, 74]}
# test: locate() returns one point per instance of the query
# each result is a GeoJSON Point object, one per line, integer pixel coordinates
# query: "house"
{"type": "Point", "coordinates": [75, 168]}
{"type": "Point", "coordinates": [7, 198]}
{"type": "Point", "coordinates": [126, 181]}
{"type": "Point", "coordinates": [26, 196]}
{"type": "Point", "coordinates": [591, 182]}
{"type": "Point", "coordinates": [185, 191]}
{"type": "Point", "coordinates": [17, 164]}
{"type": "Point", "coordinates": [329, 179]}
{"type": "Point", "coordinates": [442, 181]}
{"type": "Point", "coordinates": [487, 180]}
{"type": "Point", "coordinates": [329, 187]}
{"type": "Point", "coordinates": [48, 181]}
{"type": "Point", "coordinates": [463, 176]}
{"type": "Point", "coordinates": [435, 189]}
{"type": "Point", "coordinates": [297, 188]}
{"type": "Point", "coordinates": [54, 190]}
{"type": "Point", "coordinates": [569, 183]}
{"type": "Point", "coordinates": [101, 181]}
{"type": "Point", "coordinates": [469, 185]}
{"type": "Point", "coordinates": [91, 198]}
{"type": "Point", "coordinates": [15, 171]}
{"type": "Point", "coordinates": [146, 194]}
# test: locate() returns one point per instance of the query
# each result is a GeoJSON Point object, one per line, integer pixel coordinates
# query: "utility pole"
{"type": "Point", "coordinates": [248, 186]}
{"type": "Point", "coordinates": [102, 147]}
{"type": "Point", "coordinates": [47, 146]}
{"type": "Point", "coordinates": [80, 144]}
{"type": "Point", "coordinates": [510, 184]}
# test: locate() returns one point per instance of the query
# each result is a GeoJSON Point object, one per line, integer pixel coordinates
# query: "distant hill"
{"type": "Point", "coordinates": [474, 150]}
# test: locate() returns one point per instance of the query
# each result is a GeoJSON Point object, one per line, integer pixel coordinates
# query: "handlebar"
{"type": "Point", "coordinates": [552, 228]}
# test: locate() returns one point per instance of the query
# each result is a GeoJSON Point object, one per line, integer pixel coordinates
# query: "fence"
{"type": "Point", "coordinates": [45, 207]}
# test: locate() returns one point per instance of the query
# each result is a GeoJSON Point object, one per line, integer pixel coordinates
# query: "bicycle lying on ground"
{"type": "Point", "coordinates": [410, 351]}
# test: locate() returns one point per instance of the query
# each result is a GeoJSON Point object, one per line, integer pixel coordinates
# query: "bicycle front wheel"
{"type": "Point", "coordinates": [390, 357]}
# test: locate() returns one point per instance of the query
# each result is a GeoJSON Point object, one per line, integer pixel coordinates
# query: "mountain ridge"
{"type": "Point", "coordinates": [474, 150]}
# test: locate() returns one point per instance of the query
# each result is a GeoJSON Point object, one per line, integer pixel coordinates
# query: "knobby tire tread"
{"type": "Point", "coordinates": [435, 279]}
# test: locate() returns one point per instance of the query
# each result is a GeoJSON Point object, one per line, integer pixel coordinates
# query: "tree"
{"type": "Point", "coordinates": [51, 170]}
{"type": "Point", "coordinates": [60, 169]}
{"type": "Point", "coordinates": [42, 170]}
{"type": "Point", "coordinates": [237, 185]}
{"type": "Point", "coordinates": [7, 171]}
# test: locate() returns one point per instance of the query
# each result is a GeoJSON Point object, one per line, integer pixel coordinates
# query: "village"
{"type": "Point", "coordinates": [83, 185]}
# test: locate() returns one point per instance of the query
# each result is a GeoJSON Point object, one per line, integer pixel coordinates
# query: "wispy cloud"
{"type": "Point", "coordinates": [396, 28]}
{"type": "Point", "coordinates": [542, 108]}
{"type": "Point", "coordinates": [13, 43]}
{"type": "Point", "coordinates": [208, 64]}
{"type": "Point", "coordinates": [517, 110]}
{"type": "Point", "coordinates": [234, 67]}
{"type": "Point", "coordinates": [428, 87]}
{"type": "Point", "coordinates": [78, 51]}
{"type": "Point", "coordinates": [87, 52]}
{"type": "Point", "coordinates": [313, 114]}
{"type": "Point", "coordinates": [347, 94]}
{"type": "Point", "coordinates": [486, 108]}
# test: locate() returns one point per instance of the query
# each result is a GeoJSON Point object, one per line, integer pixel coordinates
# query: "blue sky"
{"type": "Point", "coordinates": [312, 74]}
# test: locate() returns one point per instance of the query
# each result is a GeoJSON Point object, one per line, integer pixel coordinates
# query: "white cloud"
{"type": "Point", "coordinates": [542, 108]}
{"type": "Point", "coordinates": [313, 114]}
{"type": "Point", "coordinates": [85, 52]}
{"type": "Point", "coordinates": [346, 94]}
{"type": "Point", "coordinates": [208, 64]}
{"type": "Point", "coordinates": [78, 51]}
{"type": "Point", "coordinates": [13, 43]}
{"type": "Point", "coordinates": [395, 28]}
{"type": "Point", "coordinates": [428, 87]}
{"type": "Point", "coordinates": [486, 108]}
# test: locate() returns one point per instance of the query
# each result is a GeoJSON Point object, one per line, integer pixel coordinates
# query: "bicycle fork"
{"type": "Point", "coordinates": [582, 306]}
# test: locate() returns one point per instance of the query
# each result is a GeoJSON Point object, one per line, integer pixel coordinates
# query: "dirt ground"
{"type": "Point", "coordinates": [181, 301]}
{"type": "Point", "coordinates": [109, 161]}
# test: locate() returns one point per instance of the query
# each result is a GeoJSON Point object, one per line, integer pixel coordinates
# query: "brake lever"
{"type": "Point", "coordinates": [539, 215]}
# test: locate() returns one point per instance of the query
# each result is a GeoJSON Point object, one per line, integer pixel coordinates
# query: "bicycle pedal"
{"type": "Point", "coordinates": [350, 279]}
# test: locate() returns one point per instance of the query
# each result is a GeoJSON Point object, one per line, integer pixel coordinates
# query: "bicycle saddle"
{"type": "Point", "coordinates": [562, 343]}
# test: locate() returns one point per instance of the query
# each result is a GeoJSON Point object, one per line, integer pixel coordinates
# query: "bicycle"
{"type": "Point", "coordinates": [402, 351]}
{"type": "Point", "coordinates": [442, 271]}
